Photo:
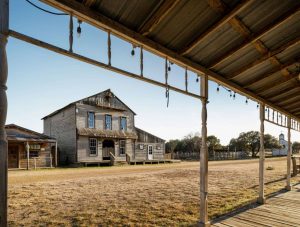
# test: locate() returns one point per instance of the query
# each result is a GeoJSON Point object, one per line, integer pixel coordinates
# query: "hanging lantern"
{"type": "Point", "coordinates": [79, 28]}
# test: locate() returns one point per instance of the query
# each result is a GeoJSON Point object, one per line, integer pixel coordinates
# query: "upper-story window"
{"type": "Point", "coordinates": [123, 123]}
{"type": "Point", "coordinates": [91, 120]}
{"type": "Point", "coordinates": [108, 122]}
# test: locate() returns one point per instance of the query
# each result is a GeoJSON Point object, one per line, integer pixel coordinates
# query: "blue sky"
{"type": "Point", "coordinates": [41, 81]}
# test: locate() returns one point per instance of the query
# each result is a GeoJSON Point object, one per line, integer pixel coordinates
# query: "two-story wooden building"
{"type": "Point", "coordinates": [100, 129]}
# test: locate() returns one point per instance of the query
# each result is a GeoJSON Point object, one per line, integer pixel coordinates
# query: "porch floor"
{"type": "Point", "coordinates": [280, 210]}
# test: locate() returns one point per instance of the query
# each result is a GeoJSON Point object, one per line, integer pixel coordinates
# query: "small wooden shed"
{"type": "Point", "coordinates": [29, 149]}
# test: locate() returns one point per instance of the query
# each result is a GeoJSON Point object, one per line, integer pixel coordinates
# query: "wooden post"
{"type": "Point", "coordinates": [27, 151]}
{"type": "Point", "coordinates": [4, 12]}
{"type": "Point", "coordinates": [34, 163]}
{"type": "Point", "coordinates": [204, 156]}
{"type": "Point", "coordinates": [50, 160]}
{"type": "Point", "coordinates": [289, 157]}
{"type": "Point", "coordinates": [55, 154]}
{"type": "Point", "coordinates": [71, 33]}
{"type": "Point", "coordinates": [261, 198]}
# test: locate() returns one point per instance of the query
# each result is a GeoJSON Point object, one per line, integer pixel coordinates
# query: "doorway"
{"type": "Point", "coordinates": [108, 146]}
{"type": "Point", "coordinates": [150, 152]}
{"type": "Point", "coordinates": [13, 156]}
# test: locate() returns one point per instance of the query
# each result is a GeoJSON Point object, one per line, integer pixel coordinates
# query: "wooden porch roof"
{"type": "Point", "coordinates": [252, 47]}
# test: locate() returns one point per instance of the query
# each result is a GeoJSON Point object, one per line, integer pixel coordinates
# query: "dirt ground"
{"type": "Point", "coordinates": [150, 195]}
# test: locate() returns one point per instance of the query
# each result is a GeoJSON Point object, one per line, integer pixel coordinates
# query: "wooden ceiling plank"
{"type": "Point", "coordinates": [161, 12]}
{"type": "Point", "coordinates": [254, 37]}
{"type": "Point", "coordinates": [278, 83]}
{"type": "Point", "coordinates": [89, 3]}
{"type": "Point", "coordinates": [240, 7]}
{"type": "Point", "coordinates": [265, 57]}
{"type": "Point", "coordinates": [100, 21]}
{"type": "Point", "coordinates": [283, 94]}
{"type": "Point", "coordinates": [288, 100]}
{"type": "Point", "coordinates": [272, 72]}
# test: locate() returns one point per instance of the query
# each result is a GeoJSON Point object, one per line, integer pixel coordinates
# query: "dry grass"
{"type": "Point", "coordinates": [158, 195]}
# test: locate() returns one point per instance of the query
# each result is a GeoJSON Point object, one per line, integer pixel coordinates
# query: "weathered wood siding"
{"type": "Point", "coordinates": [84, 152]}
{"type": "Point", "coordinates": [82, 117]}
{"type": "Point", "coordinates": [142, 154]}
{"type": "Point", "coordinates": [62, 126]}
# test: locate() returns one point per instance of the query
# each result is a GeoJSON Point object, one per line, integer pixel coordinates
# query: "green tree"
{"type": "Point", "coordinates": [250, 142]}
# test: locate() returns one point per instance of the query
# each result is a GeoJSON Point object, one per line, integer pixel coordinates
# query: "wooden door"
{"type": "Point", "coordinates": [150, 152]}
{"type": "Point", "coordinates": [13, 156]}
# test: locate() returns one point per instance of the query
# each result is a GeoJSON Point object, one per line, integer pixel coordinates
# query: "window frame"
{"type": "Point", "coordinates": [96, 146]}
{"type": "Point", "coordinates": [120, 147]}
{"type": "Point", "coordinates": [88, 119]}
{"type": "Point", "coordinates": [108, 115]}
{"type": "Point", "coordinates": [125, 128]}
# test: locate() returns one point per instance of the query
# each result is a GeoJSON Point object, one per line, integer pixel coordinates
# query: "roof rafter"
{"type": "Point", "coordinates": [265, 57]}
{"type": "Point", "coordinates": [89, 3]}
{"type": "Point", "coordinates": [254, 37]}
{"type": "Point", "coordinates": [100, 21]}
{"type": "Point", "coordinates": [161, 12]}
{"type": "Point", "coordinates": [242, 5]}
{"type": "Point", "coordinates": [279, 68]}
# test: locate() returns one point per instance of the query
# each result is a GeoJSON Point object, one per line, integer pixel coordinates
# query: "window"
{"type": "Point", "coordinates": [122, 147]}
{"type": "Point", "coordinates": [91, 120]}
{"type": "Point", "coordinates": [34, 151]}
{"type": "Point", "coordinates": [123, 123]}
{"type": "Point", "coordinates": [108, 122]}
{"type": "Point", "coordinates": [93, 146]}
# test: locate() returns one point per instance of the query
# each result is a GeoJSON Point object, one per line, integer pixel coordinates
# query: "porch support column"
{"type": "Point", "coordinates": [261, 198]}
{"type": "Point", "coordinates": [55, 154]}
{"type": "Point", "coordinates": [27, 152]}
{"type": "Point", "coordinates": [3, 111]}
{"type": "Point", "coordinates": [289, 157]}
{"type": "Point", "coordinates": [204, 156]}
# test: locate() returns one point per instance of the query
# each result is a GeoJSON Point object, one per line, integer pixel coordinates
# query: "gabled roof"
{"type": "Point", "coordinates": [18, 133]}
{"type": "Point", "coordinates": [141, 131]}
{"type": "Point", "coordinates": [73, 103]}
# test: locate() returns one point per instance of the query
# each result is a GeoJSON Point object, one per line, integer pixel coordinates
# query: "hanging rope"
{"type": "Point", "coordinates": [142, 61]}
{"type": "Point", "coordinates": [167, 85]}
{"type": "Point", "coordinates": [108, 48]}
{"type": "Point", "coordinates": [186, 79]}
{"type": "Point", "coordinates": [47, 11]}
{"type": "Point", "coordinates": [71, 33]}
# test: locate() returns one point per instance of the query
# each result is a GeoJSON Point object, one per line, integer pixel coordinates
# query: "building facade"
{"type": "Point", "coordinates": [28, 149]}
{"type": "Point", "coordinates": [284, 147]}
{"type": "Point", "coordinates": [98, 129]}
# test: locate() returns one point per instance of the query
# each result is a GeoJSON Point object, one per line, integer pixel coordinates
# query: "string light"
{"type": "Point", "coordinates": [132, 51]}
{"type": "Point", "coordinates": [218, 88]}
{"type": "Point", "coordinates": [246, 100]}
{"type": "Point", "coordinates": [169, 66]}
{"type": "Point", "coordinates": [234, 95]}
{"type": "Point", "coordinates": [257, 106]}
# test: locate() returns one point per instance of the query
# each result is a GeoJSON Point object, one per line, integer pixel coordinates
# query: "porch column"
{"type": "Point", "coordinates": [204, 156]}
{"type": "Point", "coordinates": [55, 154]}
{"type": "Point", "coordinates": [27, 152]}
{"type": "Point", "coordinates": [289, 157]}
{"type": "Point", "coordinates": [3, 111]}
{"type": "Point", "coordinates": [261, 198]}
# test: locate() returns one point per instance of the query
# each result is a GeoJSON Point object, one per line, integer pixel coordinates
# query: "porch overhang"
{"type": "Point", "coordinates": [115, 134]}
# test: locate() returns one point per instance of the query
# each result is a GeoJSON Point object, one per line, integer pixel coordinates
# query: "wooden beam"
{"type": "Point", "coordinates": [292, 105]}
{"type": "Point", "coordinates": [265, 57]}
{"type": "Point", "coordinates": [241, 6]}
{"type": "Point", "coordinates": [160, 13]}
{"type": "Point", "coordinates": [98, 20]}
{"type": "Point", "coordinates": [96, 63]}
{"type": "Point", "coordinates": [282, 93]}
{"type": "Point", "coordinates": [289, 158]}
{"type": "Point", "coordinates": [89, 3]}
{"type": "Point", "coordinates": [204, 222]}
{"type": "Point", "coordinates": [261, 197]}
{"type": "Point", "coordinates": [278, 83]}
{"type": "Point", "coordinates": [254, 37]}
{"type": "Point", "coordinates": [4, 26]}
{"type": "Point", "coordinates": [271, 73]}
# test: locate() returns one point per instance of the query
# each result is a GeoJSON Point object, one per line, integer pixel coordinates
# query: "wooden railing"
{"type": "Point", "coordinates": [128, 158]}
{"type": "Point", "coordinates": [112, 158]}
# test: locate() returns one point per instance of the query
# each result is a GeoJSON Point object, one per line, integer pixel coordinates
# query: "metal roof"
{"type": "Point", "coordinates": [252, 47]}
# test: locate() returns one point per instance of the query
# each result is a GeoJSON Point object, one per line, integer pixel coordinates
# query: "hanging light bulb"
{"type": "Point", "coordinates": [218, 88]}
{"type": "Point", "coordinates": [234, 95]}
{"type": "Point", "coordinates": [169, 66]}
{"type": "Point", "coordinates": [257, 106]}
{"type": "Point", "coordinates": [132, 51]}
{"type": "Point", "coordinates": [246, 100]}
{"type": "Point", "coordinates": [79, 28]}
{"type": "Point", "coordinates": [197, 79]}
{"type": "Point", "coordinates": [230, 93]}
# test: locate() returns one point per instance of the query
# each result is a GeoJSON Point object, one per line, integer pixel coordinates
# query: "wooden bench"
{"type": "Point", "coordinates": [296, 166]}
